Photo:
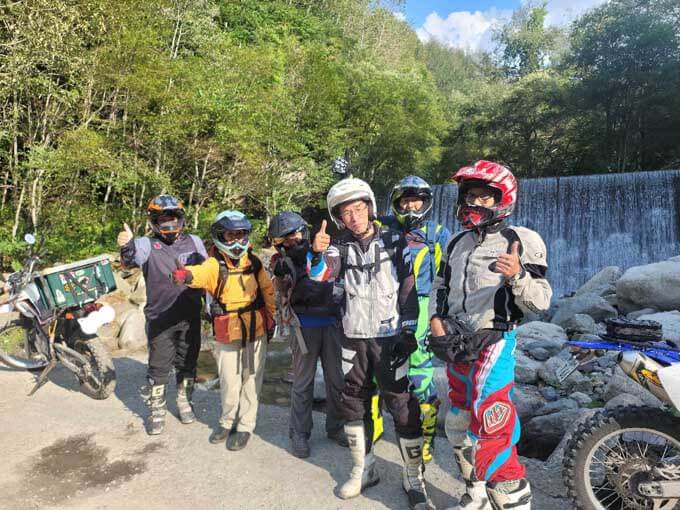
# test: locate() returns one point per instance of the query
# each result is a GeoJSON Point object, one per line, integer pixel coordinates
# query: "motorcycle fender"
{"type": "Point", "coordinates": [26, 309]}
{"type": "Point", "coordinates": [670, 379]}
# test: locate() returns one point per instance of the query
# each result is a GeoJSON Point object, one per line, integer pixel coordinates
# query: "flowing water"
{"type": "Point", "coordinates": [593, 221]}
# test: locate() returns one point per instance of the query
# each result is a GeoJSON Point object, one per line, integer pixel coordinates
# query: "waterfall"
{"type": "Point", "coordinates": [593, 221]}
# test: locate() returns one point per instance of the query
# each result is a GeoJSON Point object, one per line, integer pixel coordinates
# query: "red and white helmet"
{"type": "Point", "coordinates": [485, 173]}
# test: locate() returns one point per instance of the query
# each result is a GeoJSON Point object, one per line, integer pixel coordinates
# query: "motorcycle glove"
{"type": "Point", "coordinates": [181, 276]}
{"type": "Point", "coordinates": [457, 339]}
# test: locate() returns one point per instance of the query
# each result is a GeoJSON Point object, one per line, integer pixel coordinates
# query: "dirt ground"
{"type": "Point", "coordinates": [62, 450]}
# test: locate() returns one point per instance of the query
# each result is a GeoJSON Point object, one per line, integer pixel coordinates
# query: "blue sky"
{"type": "Point", "coordinates": [417, 10]}
{"type": "Point", "coordinates": [470, 25]}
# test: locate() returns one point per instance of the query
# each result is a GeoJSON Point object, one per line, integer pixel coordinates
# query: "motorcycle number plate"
{"type": "Point", "coordinates": [567, 369]}
{"type": "Point", "coordinates": [580, 358]}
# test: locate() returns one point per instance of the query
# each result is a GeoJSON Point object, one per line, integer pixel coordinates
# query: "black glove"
{"type": "Point", "coordinates": [455, 341]}
{"type": "Point", "coordinates": [284, 267]}
{"type": "Point", "coordinates": [408, 341]}
{"type": "Point", "coordinates": [403, 346]}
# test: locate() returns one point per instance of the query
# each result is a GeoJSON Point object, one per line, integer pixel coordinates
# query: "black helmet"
{"type": "Point", "coordinates": [166, 205]}
{"type": "Point", "coordinates": [411, 186]}
{"type": "Point", "coordinates": [283, 224]}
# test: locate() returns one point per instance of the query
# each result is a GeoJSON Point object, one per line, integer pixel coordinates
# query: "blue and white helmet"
{"type": "Point", "coordinates": [411, 186]}
{"type": "Point", "coordinates": [231, 221]}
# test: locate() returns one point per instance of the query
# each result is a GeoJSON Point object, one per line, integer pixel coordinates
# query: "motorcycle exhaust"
{"type": "Point", "coordinates": [643, 370]}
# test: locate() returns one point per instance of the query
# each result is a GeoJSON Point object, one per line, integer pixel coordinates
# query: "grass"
{"type": "Point", "coordinates": [12, 339]}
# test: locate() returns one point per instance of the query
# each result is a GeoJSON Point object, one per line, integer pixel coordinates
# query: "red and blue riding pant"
{"type": "Point", "coordinates": [484, 389]}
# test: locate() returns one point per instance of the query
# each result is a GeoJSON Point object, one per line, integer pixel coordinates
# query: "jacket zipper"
{"type": "Point", "coordinates": [478, 243]}
{"type": "Point", "coordinates": [358, 253]}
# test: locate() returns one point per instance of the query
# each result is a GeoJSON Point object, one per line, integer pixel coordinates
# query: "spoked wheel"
{"type": "Point", "coordinates": [17, 344]}
{"type": "Point", "coordinates": [101, 381]}
{"type": "Point", "coordinates": [615, 451]}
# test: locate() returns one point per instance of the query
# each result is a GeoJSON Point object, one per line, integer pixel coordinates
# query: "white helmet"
{"type": "Point", "coordinates": [349, 190]}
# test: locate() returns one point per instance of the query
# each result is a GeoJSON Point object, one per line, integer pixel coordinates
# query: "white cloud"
{"type": "Point", "coordinates": [473, 31]}
{"type": "Point", "coordinates": [563, 12]}
{"type": "Point", "coordinates": [470, 31]}
{"type": "Point", "coordinates": [399, 15]}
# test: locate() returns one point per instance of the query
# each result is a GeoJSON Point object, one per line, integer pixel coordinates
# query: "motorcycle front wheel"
{"type": "Point", "coordinates": [615, 451]}
{"type": "Point", "coordinates": [17, 344]}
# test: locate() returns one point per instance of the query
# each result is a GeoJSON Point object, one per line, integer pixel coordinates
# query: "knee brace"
{"type": "Point", "coordinates": [456, 427]}
{"type": "Point", "coordinates": [466, 463]}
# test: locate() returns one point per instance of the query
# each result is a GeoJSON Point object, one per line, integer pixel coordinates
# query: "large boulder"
{"type": "Point", "coordinates": [541, 335]}
{"type": "Point", "coordinates": [652, 285]}
{"type": "Point", "coordinates": [138, 294]}
{"type": "Point", "coordinates": [527, 400]}
{"type": "Point", "coordinates": [121, 283]}
{"type": "Point", "coordinates": [581, 399]}
{"type": "Point", "coordinates": [639, 313]}
{"type": "Point", "coordinates": [620, 383]}
{"type": "Point", "coordinates": [133, 332]}
{"type": "Point", "coordinates": [576, 380]}
{"type": "Point", "coordinates": [580, 323]}
{"type": "Point", "coordinates": [557, 456]}
{"type": "Point", "coordinates": [670, 324]}
{"type": "Point", "coordinates": [526, 369]}
{"type": "Point", "coordinates": [603, 283]}
{"type": "Point", "coordinates": [557, 406]}
{"type": "Point", "coordinates": [589, 304]}
{"type": "Point", "coordinates": [545, 432]}
{"type": "Point", "coordinates": [624, 399]}
{"type": "Point", "coordinates": [108, 334]}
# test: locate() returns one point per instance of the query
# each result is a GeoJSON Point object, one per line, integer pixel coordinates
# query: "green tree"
{"type": "Point", "coordinates": [626, 58]}
{"type": "Point", "coordinates": [525, 42]}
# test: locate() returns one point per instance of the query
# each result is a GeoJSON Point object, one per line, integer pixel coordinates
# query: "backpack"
{"type": "Point", "coordinates": [389, 239]}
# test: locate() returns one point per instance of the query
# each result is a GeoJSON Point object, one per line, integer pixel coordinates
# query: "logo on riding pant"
{"type": "Point", "coordinates": [413, 452]}
{"type": "Point", "coordinates": [496, 417]}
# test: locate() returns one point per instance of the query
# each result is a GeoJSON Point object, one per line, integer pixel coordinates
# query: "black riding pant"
{"type": "Point", "coordinates": [364, 359]}
{"type": "Point", "coordinates": [173, 343]}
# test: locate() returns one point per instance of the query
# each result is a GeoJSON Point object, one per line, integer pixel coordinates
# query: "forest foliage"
{"type": "Point", "coordinates": [244, 104]}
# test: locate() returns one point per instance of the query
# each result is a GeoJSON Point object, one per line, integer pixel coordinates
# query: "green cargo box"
{"type": "Point", "coordinates": [77, 283]}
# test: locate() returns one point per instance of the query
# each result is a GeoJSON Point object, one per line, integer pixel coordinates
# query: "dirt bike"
{"type": "Point", "coordinates": [51, 318]}
{"type": "Point", "coordinates": [629, 457]}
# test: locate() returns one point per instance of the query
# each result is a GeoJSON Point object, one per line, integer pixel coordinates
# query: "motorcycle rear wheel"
{"type": "Point", "coordinates": [102, 385]}
{"type": "Point", "coordinates": [16, 345]}
{"type": "Point", "coordinates": [614, 451]}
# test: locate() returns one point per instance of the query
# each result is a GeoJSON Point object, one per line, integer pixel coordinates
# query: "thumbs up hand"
{"type": "Point", "coordinates": [125, 236]}
{"type": "Point", "coordinates": [508, 264]}
{"type": "Point", "coordinates": [321, 240]}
